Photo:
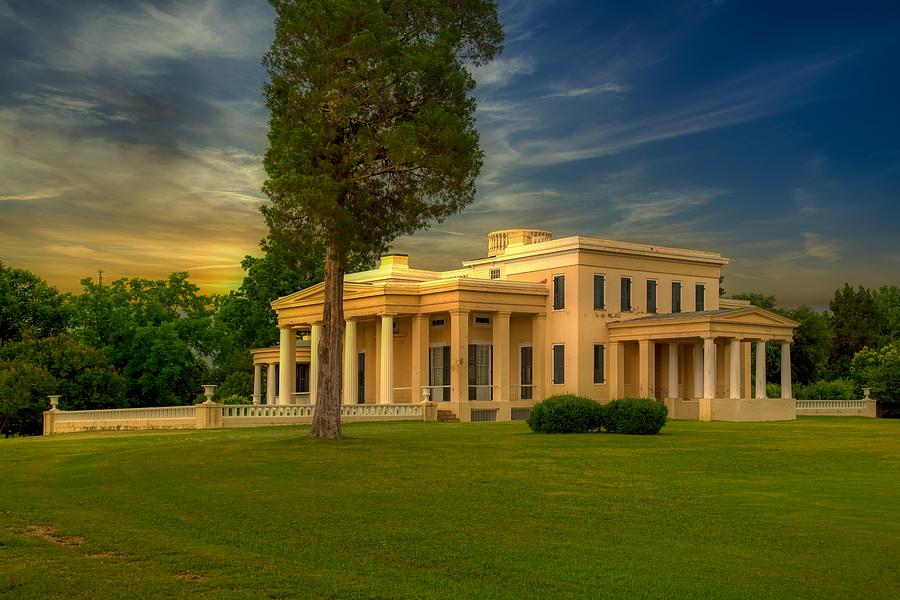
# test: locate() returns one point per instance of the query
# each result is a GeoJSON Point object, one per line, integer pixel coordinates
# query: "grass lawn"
{"type": "Point", "coordinates": [807, 509]}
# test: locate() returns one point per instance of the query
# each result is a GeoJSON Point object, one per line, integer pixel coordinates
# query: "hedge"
{"type": "Point", "coordinates": [565, 413]}
{"type": "Point", "coordinates": [635, 416]}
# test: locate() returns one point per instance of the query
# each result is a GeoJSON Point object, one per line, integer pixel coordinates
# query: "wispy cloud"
{"type": "Point", "coordinates": [502, 70]}
{"type": "Point", "coordinates": [815, 246]}
{"type": "Point", "coordinates": [139, 41]}
{"type": "Point", "coordinates": [575, 92]}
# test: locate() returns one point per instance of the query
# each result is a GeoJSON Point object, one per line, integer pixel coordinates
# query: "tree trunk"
{"type": "Point", "coordinates": [327, 419]}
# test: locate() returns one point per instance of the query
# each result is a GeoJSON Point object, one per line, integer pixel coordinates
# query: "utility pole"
{"type": "Point", "coordinates": [100, 276]}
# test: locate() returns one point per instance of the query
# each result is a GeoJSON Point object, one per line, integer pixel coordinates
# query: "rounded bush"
{"type": "Point", "coordinates": [635, 416]}
{"type": "Point", "coordinates": [565, 413]}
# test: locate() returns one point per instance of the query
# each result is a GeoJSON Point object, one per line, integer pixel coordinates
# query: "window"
{"type": "Point", "coordinates": [482, 320]}
{"type": "Point", "coordinates": [437, 322]}
{"type": "Point", "coordinates": [559, 364]}
{"type": "Point", "coordinates": [651, 295]}
{"type": "Point", "coordinates": [599, 360]}
{"type": "Point", "coordinates": [495, 273]}
{"type": "Point", "coordinates": [559, 292]}
{"type": "Point", "coordinates": [676, 296]}
{"type": "Point", "coordinates": [526, 373]}
{"type": "Point", "coordinates": [439, 373]}
{"type": "Point", "coordinates": [302, 374]}
{"type": "Point", "coordinates": [480, 372]}
{"type": "Point", "coordinates": [599, 292]}
{"type": "Point", "coordinates": [700, 296]}
{"type": "Point", "coordinates": [626, 294]}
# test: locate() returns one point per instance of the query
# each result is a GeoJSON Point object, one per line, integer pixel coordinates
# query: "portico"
{"type": "Point", "coordinates": [705, 359]}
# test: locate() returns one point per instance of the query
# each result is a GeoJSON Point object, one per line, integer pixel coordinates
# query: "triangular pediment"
{"type": "Point", "coordinates": [316, 294]}
{"type": "Point", "coordinates": [753, 315]}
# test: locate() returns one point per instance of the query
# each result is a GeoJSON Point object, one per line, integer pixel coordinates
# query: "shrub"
{"type": "Point", "coordinates": [636, 416]}
{"type": "Point", "coordinates": [565, 413]}
{"type": "Point", "coordinates": [773, 390]}
{"type": "Point", "coordinates": [238, 383]}
{"type": "Point", "coordinates": [838, 389]}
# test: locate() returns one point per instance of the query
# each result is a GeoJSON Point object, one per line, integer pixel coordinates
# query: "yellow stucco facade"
{"type": "Point", "coordinates": [538, 316]}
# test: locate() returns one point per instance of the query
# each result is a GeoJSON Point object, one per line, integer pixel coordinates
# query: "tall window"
{"type": "Point", "coordinates": [599, 360]}
{"type": "Point", "coordinates": [559, 292]}
{"type": "Point", "coordinates": [480, 372]}
{"type": "Point", "coordinates": [676, 296]}
{"type": "Point", "coordinates": [302, 375]}
{"type": "Point", "coordinates": [651, 295]}
{"type": "Point", "coordinates": [559, 363]}
{"type": "Point", "coordinates": [599, 292]}
{"type": "Point", "coordinates": [526, 375]}
{"type": "Point", "coordinates": [626, 294]}
{"type": "Point", "coordinates": [700, 296]}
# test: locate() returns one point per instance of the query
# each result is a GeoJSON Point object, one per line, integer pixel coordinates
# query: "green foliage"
{"type": "Point", "coordinates": [372, 130]}
{"type": "Point", "coordinates": [82, 375]}
{"type": "Point", "coordinates": [24, 388]}
{"type": "Point", "coordinates": [887, 300]}
{"type": "Point", "coordinates": [29, 307]}
{"type": "Point", "coordinates": [856, 324]}
{"type": "Point", "coordinates": [636, 416]}
{"type": "Point", "coordinates": [757, 299]}
{"type": "Point", "coordinates": [156, 332]}
{"type": "Point", "coordinates": [237, 384]}
{"type": "Point", "coordinates": [811, 346]}
{"type": "Point", "coordinates": [564, 413]}
{"type": "Point", "coordinates": [773, 390]}
{"type": "Point", "coordinates": [838, 389]}
{"type": "Point", "coordinates": [880, 370]}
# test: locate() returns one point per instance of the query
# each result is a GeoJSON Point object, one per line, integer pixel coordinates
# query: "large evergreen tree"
{"type": "Point", "coordinates": [371, 135]}
{"type": "Point", "coordinates": [856, 324]}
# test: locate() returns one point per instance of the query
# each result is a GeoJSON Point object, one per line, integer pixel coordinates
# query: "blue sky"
{"type": "Point", "coordinates": [131, 136]}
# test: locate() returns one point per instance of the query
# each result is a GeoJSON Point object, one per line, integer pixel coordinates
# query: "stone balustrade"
{"type": "Point", "coordinates": [210, 415]}
{"type": "Point", "coordinates": [864, 407]}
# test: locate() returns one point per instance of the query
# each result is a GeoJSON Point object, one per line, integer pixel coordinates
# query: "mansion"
{"type": "Point", "coordinates": [536, 317]}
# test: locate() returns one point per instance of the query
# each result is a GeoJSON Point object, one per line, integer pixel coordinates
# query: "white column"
{"type": "Point", "coordinates": [459, 355]}
{"type": "Point", "coordinates": [350, 358]}
{"type": "Point", "coordinates": [673, 370]}
{"type": "Point", "coordinates": [538, 356]}
{"type": "Point", "coordinates": [501, 375]}
{"type": "Point", "coordinates": [257, 382]}
{"type": "Point", "coordinates": [761, 370]}
{"type": "Point", "coordinates": [270, 384]}
{"type": "Point", "coordinates": [646, 369]}
{"type": "Point", "coordinates": [709, 368]}
{"type": "Point", "coordinates": [786, 391]}
{"type": "Point", "coordinates": [315, 336]}
{"type": "Point", "coordinates": [287, 365]}
{"type": "Point", "coordinates": [697, 361]}
{"type": "Point", "coordinates": [734, 383]}
{"type": "Point", "coordinates": [386, 362]}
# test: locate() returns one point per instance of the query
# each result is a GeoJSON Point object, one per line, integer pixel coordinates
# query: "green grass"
{"type": "Point", "coordinates": [783, 510]}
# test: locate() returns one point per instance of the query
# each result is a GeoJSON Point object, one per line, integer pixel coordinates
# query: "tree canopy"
{"type": "Point", "coordinates": [371, 135]}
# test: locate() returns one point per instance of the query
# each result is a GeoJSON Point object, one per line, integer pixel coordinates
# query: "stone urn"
{"type": "Point", "coordinates": [208, 391]}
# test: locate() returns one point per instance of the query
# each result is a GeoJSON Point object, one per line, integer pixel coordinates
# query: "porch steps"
{"type": "Point", "coordinates": [447, 416]}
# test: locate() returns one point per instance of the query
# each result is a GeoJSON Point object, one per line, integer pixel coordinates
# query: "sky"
{"type": "Point", "coordinates": [132, 134]}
